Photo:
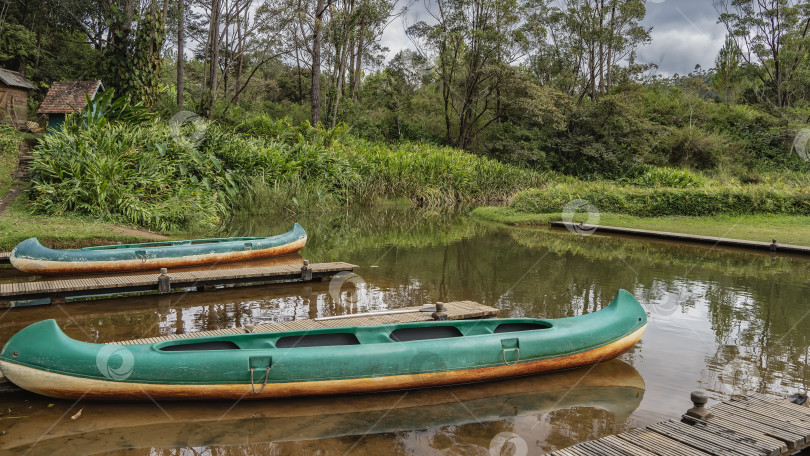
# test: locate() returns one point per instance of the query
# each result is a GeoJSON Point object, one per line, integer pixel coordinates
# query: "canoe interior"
{"type": "Point", "coordinates": [172, 243]}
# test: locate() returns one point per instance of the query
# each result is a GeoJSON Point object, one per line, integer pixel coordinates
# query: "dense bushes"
{"type": "Point", "coordinates": [162, 179]}
{"type": "Point", "coordinates": [665, 201]}
{"type": "Point", "coordinates": [133, 174]}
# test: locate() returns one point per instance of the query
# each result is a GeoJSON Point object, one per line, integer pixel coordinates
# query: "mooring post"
{"type": "Point", "coordinates": [773, 245]}
{"type": "Point", "coordinates": [699, 411]}
{"type": "Point", "coordinates": [164, 281]}
{"type": "Point", "coordinates": [439, 314]}
{"type": "Point", "coordinates": [306, 271]}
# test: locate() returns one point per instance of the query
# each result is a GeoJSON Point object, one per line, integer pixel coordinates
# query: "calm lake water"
{"type": "Point", "coordinates": [720, 320]}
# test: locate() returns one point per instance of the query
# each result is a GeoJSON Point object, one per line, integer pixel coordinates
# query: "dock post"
{"type": "Point", "coordinates": [164, 281]}
{"type": "Point", "coordinates": [699, 411]}
{"type": "Point", "coordinates": [439, 314]}
{"type": "Point", "coordinates": [306, 271]}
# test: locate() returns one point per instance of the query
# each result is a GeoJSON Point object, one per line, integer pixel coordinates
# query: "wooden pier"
{"type": "Point", "coordinates": [750, 425]}
{"type": "Point", "coordinates": [460, 310]}
{"type": "Point", "coordinates": [165, 282]}
{"type": "Point", "coordinates": [772, 246]}
{"type": "Point", "coordinates": [5, 257]}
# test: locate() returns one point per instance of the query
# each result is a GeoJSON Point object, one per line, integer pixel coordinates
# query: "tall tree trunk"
{"type": "Point", "coordinates": [180, 51]}
{"type": "Point", "coordinates": [601, 46]}
{"type": "Point", "coordinates": [213, 38]}
{"type": "Point", "coordinates": [300, 82]}
{"type": "Point", "coordinates": [340, 82]}
{"type": "Point", "coordinates": [320, 9]}
{"type": "Point", "coordinates": [357, 63]}
{"type": "Point", "coordinates": [612, 26]}
{"type": "Point", "coordinates": [240, 57]}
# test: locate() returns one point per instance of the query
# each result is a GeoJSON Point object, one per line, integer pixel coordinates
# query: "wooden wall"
{"type": "Point", "coordinates": [13, 106]}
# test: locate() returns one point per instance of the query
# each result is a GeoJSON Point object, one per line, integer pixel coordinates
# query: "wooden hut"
{"type": "Point", "coordinates": [65, 97]}
{"type": "Point", "coordinates": [14, 98]}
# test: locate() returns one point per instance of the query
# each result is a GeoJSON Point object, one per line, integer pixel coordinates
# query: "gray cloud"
{"type": "Point", "coordinates": [685, 33]}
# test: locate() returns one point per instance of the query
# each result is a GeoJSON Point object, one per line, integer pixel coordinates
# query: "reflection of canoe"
{"type": "Point", "coordinates": [42, 359]}
{"type": "Point", "coordinates": [613, 386]}
{"type": "Point", "coordinates": [30, 256]}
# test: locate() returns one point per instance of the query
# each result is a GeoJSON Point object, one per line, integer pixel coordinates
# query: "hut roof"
{"type": "Point", "coordinates": [15, 79]}
{"type": "Point", "coordinates": [68, 96]}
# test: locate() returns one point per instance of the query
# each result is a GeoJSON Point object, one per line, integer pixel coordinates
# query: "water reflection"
{"type": "Point", "coordinates": [563, 408]}
{"type": "Point", "coordinates": [722, 320]}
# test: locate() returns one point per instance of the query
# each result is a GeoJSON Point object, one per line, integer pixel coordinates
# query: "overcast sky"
{"type": "Point", "coordinates": [685, 33]}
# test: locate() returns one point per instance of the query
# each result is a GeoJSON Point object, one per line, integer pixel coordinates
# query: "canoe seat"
{"type": "Point", "coordinates": [428, 332]}
{"type": "Point", "coordinates": [317, 340]}
{"type": "Point", "coordinates": [517, 327]}
{"type": "Point", "coordinates": [212, 345]}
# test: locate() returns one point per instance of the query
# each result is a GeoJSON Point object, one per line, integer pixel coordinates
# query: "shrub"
{"type": "Point", "coordinates": [660, 201]}
{"type": "Point", "coordinates": [655, 176]}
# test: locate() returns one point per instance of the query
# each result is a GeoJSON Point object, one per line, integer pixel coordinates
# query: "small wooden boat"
{"type": "Point", "coordinates": [32, 257]}
{"type": "Point", "coordinates": [42, 359]}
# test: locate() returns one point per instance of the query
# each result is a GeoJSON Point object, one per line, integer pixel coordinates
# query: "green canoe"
{"type": "Point", "coordinates": [42, 359]}
{"type": "Point", "coordinates": [30, 256]}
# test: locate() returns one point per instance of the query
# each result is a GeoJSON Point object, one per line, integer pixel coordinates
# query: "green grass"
{"type": "Point", "coordinates": [16, 225]}
{"type": "Point", "coordinates": [786, 229]}
{"type": "Point", "coordinates": [8, 158]}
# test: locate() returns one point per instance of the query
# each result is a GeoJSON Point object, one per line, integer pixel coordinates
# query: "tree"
{"type": "Point", "coordinates": [472, 42]}
{"type": "Point", "coordinates": [772, 39]}
{"type": "Point", "coordinates": [727, 76]}
{"type": "Point", "coordinates": [580, 43]}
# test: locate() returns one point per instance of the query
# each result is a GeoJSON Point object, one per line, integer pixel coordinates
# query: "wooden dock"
{"type": "Point", "coordinates": [725, 242]}
{"type": "Point", "coordinates": [460, 310]}
{"type": "Point", "coordinates": [166, 282]}
{"type": "Point", "coordinates": [751, 425]}
{"type": "Point", "coordinates": [5, 257]}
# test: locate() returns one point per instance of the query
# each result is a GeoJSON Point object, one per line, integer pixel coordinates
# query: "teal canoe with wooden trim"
{"type": "Point", "coordinates": [32, 257]}
{"type": "Point", "coordinates": [360, 359]}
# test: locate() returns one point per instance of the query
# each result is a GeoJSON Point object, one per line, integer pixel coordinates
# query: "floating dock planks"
{"type": "Point", "coordinates": [751, 425]}
{"type": "Point", "coordinates": [5, 257]}
{"type": "Point", "coordinates": [460, 310]}
{"type": "Point", "coordinates": [726, 242]}
{"type": "Point", "coordinates": [164, 282]}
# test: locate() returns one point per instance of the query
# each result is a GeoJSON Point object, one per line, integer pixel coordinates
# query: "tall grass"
{"type": "Point", "coordinates": [144, 175]}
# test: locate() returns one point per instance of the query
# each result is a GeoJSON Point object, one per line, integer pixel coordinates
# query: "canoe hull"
{"type": "Point", "coordinates": [68, 387]}
{"type": "Point", "coordinates": [325, 361]}
{"type": "Point", "coordinates": [33, 258]}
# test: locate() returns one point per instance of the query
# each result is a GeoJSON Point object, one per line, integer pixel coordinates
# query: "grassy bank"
{"type": "Point", "coordinates": [786, 229]}
{"type": "Point", "coordinates": [17, 224]}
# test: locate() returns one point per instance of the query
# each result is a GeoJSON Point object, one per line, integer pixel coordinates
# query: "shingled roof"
{"type": "Point", "coordinates": [68, 96]}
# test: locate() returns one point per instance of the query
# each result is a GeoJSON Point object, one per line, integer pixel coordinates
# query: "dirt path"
{"type": "Point", "coordinates": [145, 234]}
{"type": "Point", "coordinates": [10, 196]}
